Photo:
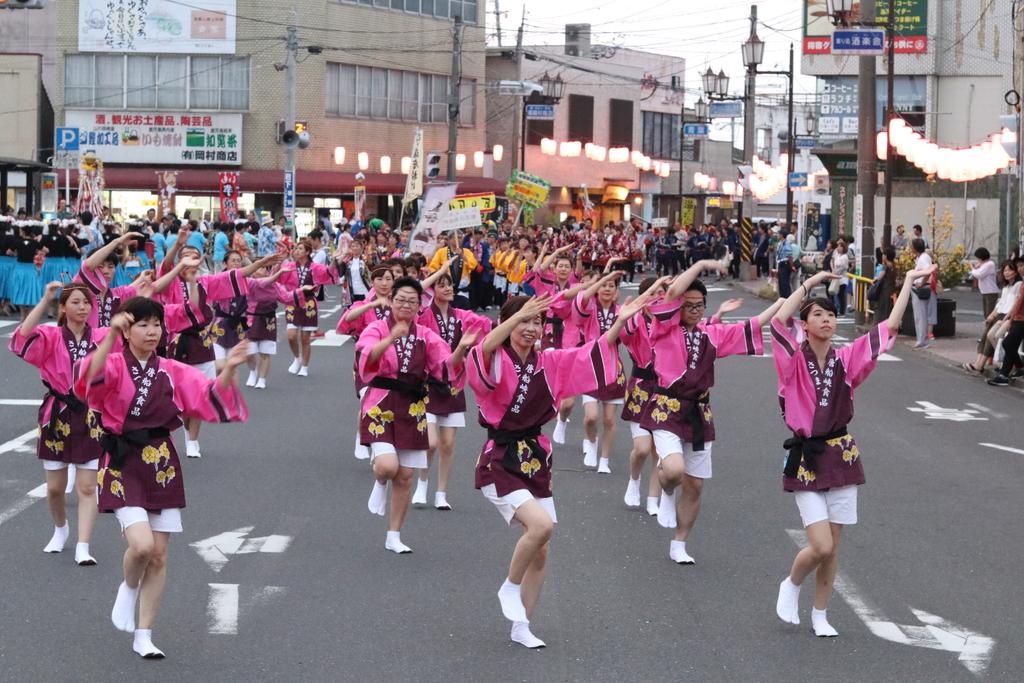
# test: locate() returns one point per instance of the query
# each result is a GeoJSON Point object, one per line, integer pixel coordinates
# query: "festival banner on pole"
{"type": "Point", "coordinates": [414, 180]}
{"type": "Point", "coordinates": [167, 184]}
{"type": "Point", "coordinates": [436, 201]}
{"type": "Point", "coordinates": [484, 202]}
{"type": "Point", "coordinates": [228, 196]}
{"type": "Point", "coordinates": [90, 185]}
{"type": "Point", "coordinates": [528, 189]}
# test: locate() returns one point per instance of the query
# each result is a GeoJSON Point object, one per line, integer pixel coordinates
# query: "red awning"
{"type": "Point", "coordinates": [321, 183]}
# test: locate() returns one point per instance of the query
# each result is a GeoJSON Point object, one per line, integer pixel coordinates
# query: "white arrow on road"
{"type": "Point", "coordinates": [332, 338]}
{"type": "Point", "coordinates": [934, 412]}
{"type": "Point", "coordinates": [216, 550]}
{"type": "Point", "coordinates": [935, 633]}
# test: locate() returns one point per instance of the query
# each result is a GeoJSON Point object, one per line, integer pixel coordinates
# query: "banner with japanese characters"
{"type": "Point", "coordinates": [157, 26]}
{"type": "Point", "coordinates": [228, 195]}
{"type": "Point", "coordinates": [145, 137]}
{"type": "Point", "coordinates": [911, 19]}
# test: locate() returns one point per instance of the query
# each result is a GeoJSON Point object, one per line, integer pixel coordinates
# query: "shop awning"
{"type": "Point", "coordinates": [320, 183]}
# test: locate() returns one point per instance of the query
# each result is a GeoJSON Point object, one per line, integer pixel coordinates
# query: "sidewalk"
{"type": "Point", "coordinates": [950, 351]}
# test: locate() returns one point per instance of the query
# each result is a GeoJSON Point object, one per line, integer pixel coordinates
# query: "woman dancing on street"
{"type": "Point", "coordinates": [69, 433]}
{"type": "Point", "coordinates": [823, 468]}
{"type": "Point", "coordinates": [303, 322]}
{"type": "Point", "coordinates": [446, 402]}
{"type": "Point", "coordinates": [396, 357]}
{"type": "Point", "coordinates": [517, 390]}
{"type": "Point", "coordinates": [141, 399]}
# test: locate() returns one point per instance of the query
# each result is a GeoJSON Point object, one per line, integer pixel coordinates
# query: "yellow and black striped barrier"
{"type": "Point", "coordinates": [746, 233]}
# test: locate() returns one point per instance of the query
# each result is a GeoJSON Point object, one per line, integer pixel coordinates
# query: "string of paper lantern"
{"type": "Point", "coordinates": [614, 155]}
{"type": "Point", "coordinates": [363, 159]}
{"type": "Point", "coordinates": [956, 164]}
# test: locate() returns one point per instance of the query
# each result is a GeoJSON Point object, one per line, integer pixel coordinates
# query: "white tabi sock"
{"type": "Point", "coordinates": [294, 367]}
{"type": "Point", "coordinates": [361, 452]}
{"type": "Point", "coordinates": [558, 436]}
{"type": "Point", "coordinates": [395, 545]}
{"type": "Point", "coordinates": [378, 503]}
{"type": "Point", "coordinates": [652, 505]}
{"type": "Point", "coordinates": [261, 383]}
{"type": "Point", "coordinates": [441, 501]}
{"type": "Point", "coordinates": [144, 646]}
{"type": "Point", "coordinates": [632, 496]}
{"type": "Point", "coordinates": [677, 551]}
{"type": "Point", "coordinates": [192, 449]}
{"type": "Point", "coordinates": [72, 475]}
{"type": "Point", "coordinates": [819, 621]}
{"type": "Point", "coordinates": [667, 509]}
{"type": "Point", "coordinates": [512, 602]}
{"type": "Point", "coordinates": [419, 496]}
{"type": "Point", "coordinates": [82, 556]}
{"type": "Point", "coordinates": [589, 453]}
{"type": "Point", "coordinates": [251, 382]}
{"type": "Point", "coordinates": [303, 371]}
{"type": "Point", "coordinates": [123, 614]}
{"type": "Point", "coordinates": [602, 466]}
{"type": "Point", "coordinates": [788, 604]}
{"type": "Point", "coordinates": [59, 538]}
{"type": "Point", "coordinates": [521, 634]}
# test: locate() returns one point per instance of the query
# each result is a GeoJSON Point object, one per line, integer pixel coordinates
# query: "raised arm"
{"type": "Point", "coordinates": [172, 253]}
{"type": "Point", "coordinates": [429, 281]}
{"type": "Point", "coordinates": [97, 257]}
{"type": "Point", "coordinates": [792, 305]}
{"type": "Point", "coordinates": [591, 290]}
{"type": "Point", "coordinates": [266, 261]}
{"type": "Point", "coordinates": [171, 275]}
{"type": "Point", "coordinates": [119, 327]}
{"type": "Point", "coordinates": [765, 316]}
{"type": "Point", "coordinates": [626, 313]}
{"type": "Point", "coordinates": [538, 265]}
{"type": "Point", "coordinates": [356, 312]}
{"type": "Point", "coordinates": [688, 276]}
{"type": "Point", "coordinates": [34, 316]}
{"type": "Point", "coordinates": [898, 308]}
{"type": "Point", "coordinates": [496, 337]}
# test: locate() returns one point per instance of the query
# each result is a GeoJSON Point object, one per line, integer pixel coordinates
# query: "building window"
{"type": "Point", "coordinates": [537, 129]}
{"type": "Point", "coordinates": [440, 9]}
{"type": "Point", "coordinates": [620, 124]}
{"type": "Point", "coordinates": [661, 135]}
{"type": "Point", "coordinates": [394, 95]}
{"type": "Point", "coordinates": [763, 145]}
{"type": "Point", "coordinates": [156, 82]}
{"type": "Point", "coordinates": [581, 118]}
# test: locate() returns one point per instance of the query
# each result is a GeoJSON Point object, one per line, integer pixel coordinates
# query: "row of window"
{"type": "Point", "coordinates": [661, 132]}
{"type": "Point", "coordinates": [156, 82]}
{"type": "Point", "coordinates": [442, 9]}
{"type": "Point", "coordinates": [395, 95]}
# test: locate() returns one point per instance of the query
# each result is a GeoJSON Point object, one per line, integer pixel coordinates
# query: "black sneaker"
{"type": "Point", "coordinates": [1019, 372]}
{"type": "Point", "coordinates": [1000, 380]}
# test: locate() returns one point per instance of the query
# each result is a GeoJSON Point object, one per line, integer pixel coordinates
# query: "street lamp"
{"type": "Point", "coordinates": [839, 11]}
{"type": "Point", "coordinates": [553, 90]}
{"type": "Point", "coordinates": [810, 122]}
{"type": "Point", "coordinates": [753, 51]}
{"type": "Point", "coordinates": [700, 109]}
{"type": "Point", "coordinates": [553, 87]}
{"type": "Point", "coordinates": [710, 82]}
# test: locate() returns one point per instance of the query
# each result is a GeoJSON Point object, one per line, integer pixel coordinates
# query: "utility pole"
{"type": "Point", "coordinates": [867, 174]}
{"type": "Point", "coordinates": [890, 113]}
{"type": "Point", "coordinates": [749, 109]}
{"type": "Point", "coordinates": [791, 152]}
{"type": "Point", "coordinates": [497, 20]}
{"type": "Point", "coordinates": [453, 97]}
{"type": "Point", "coordinates": [520, 130]}
{"type": "Point", "coordinates": [289, 113]}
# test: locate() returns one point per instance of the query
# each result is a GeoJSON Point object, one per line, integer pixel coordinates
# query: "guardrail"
{"type": "Point", "coordinates": [861, 304]}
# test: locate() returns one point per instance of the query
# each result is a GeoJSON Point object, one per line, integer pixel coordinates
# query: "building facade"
{"type": "Point", "coordinates": [200, 90]}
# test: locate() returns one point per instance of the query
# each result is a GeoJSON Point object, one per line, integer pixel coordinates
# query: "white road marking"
{"type": "Point", "coordinates": [933, 412]}
{"type": "Point", "coordinates": [331, 338]}
{"type": "Point", "coordinates": [326, 313]}
{"type": "Point", "coordinates": [974, 649]}
{"type": "Point", "coordinates": [216, 550]}
{"type": "Point", "coordinates": [7, 323]}
{"type": "Point", "coordinates": [1002, 448]}
{"type": "Point", "coordinates": [18, 443]}
{"type": "Point", "coordinates": [21, 401]}
{"type": "Point", "coordinates": [222, 608]}
{"type": "Point", "coordinates": [37, 492]}
{"type": "Point", "coordinates": [23, 503]}
{"type": "Point", "coordinates": [998, 416]}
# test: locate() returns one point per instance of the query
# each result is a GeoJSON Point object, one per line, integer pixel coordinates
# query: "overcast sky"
{"type": "Point", "coordinates": [705, 33]}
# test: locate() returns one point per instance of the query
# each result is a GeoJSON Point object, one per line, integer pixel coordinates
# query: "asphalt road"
{"type": "Point", "coordinates": [939, 533]}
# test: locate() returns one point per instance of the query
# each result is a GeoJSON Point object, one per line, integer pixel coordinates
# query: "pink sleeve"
{"type": "Point", "coordinates": [91, 279]}
{"type": "Point", "coordinates": [561, 307]}
{"type": "Point", "coordinates": [204, 398]}
{"type": "Point", "coordinates": [582, 311]}
{"type": "Point", "coordinates": [737, 338]}
{"type": "Point", "coordinates": [38, 346]}
{"type": "Point", "coordinates": [784, 350]}
{"type": "Point", "coordinates": [124, 292]}
{"type": "Point", "coordinates": [324, 275]}
{"type": "Point", "coordinates": [581, 370]}
{"type": "Point", "coordinates": [860, 357]}
{"type": "Point", "coordinates": [367, 340]}
{"type": "Point", "coordinates": [225, 285]}
{"type": "Point", "coordinates": [665, 318]}
{"type": "Point", "coordinates": [289, 279]}
{"type": "Point", "coordinates": [542, 283]}
{"type": "Point", "coordinates": [178, 317]}
{"type": "Point", "coordinates": [104, 385]}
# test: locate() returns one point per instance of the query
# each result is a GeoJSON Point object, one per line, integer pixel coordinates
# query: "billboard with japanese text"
{"type": "Point", "coordinates": [127, 137]}
{"type": "Point", "coordinates": [911, 17]}
{"type": "Point", "coordinates": [838, 112]}
{"type": "Point", "coordinates": [160, 26]}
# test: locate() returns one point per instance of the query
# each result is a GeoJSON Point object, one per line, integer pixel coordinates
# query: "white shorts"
{"type": "Point", "coordinates": [209, 368]}
{"type": "Point", "coordinates": [838, 506]}
{"type": "Point", "coordinates": [510, 502]}
{"type": "Point", "coordinates": [453, 420]}
{"type": "Point", "coordinates": [168, 520]}
{"type": "Point", "coordinates": [313, 328]}
{"type": "Point", "coordinates": [614, 402]}
{"type": "Point", "coordinates": [416, 460]}
{"type": "Point", "coordinates": [697, 463]}
{"type": "Point", "coordinates": [264, 346]}
{"type": "Point", "coordinates": [55, 465]}
{"type": "Point", "coordinates": [219, 352]}
{"type": "Point", "coordinates": [636, 431]}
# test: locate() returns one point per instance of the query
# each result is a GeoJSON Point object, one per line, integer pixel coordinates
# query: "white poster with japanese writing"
{"type": "Point", "coordinates": [160, 26]}
{"type": "Point", "coordinates": [127, 137]}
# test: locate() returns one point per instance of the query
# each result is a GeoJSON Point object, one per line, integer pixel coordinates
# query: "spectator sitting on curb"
{"type": "Point", "coordinates": [1010, 281]}
{"type": "Point", "coordinates": [1014, 325]}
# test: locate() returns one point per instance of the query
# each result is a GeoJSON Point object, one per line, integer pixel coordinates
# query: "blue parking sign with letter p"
{"type": "Point", "coordinates": [67, 139]}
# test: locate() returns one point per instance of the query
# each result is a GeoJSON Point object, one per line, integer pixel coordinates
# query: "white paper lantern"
{"type": "Point", "coordinates": [339, 155]}
{"type": "Point", "coordinates": [478, 159]}
{"type": "Point", "coordinates": [385, 165]}
{"type": "Point", "coordinates": [460, 162]}
{"type": "Point", "coordinates": [406, 165]}
{"type": "Point", "coordinates": [364, 161]}
{"type": "Point", "coordinates": [499, 152]}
